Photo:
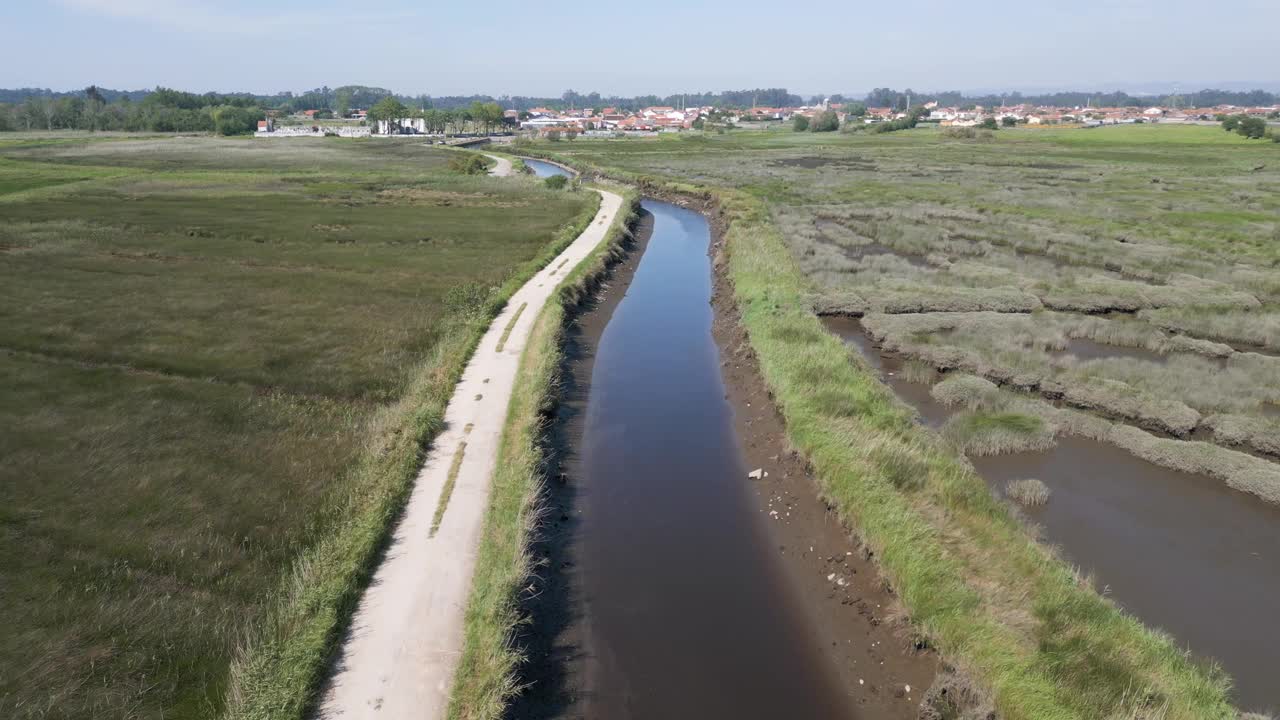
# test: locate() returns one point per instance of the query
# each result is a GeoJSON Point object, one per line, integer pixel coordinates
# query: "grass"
{"type": "Point", "coordinates": [486, 675]}
{"type": "Point", "coordinates": [1131, 369]}
{"type": "Point", "coordinates": [992, 600]}
{"type": "Point", "coordinates": [511, 325]}
{"type": "Point", "coordinates": [222, 360]}
{"type": "Point", "coordinates": [982, 432]}
{"type": "Point", "coordinates": [1028, 491]}
{"type": "Point", "coordinates": [446, 492]}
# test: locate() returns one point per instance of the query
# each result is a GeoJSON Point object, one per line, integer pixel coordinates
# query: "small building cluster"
{"type": "Point", "coordinates": [611, 120]}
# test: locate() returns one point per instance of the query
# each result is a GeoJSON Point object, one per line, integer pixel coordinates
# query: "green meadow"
{"type": "Point", "coordinates": [220, 361]}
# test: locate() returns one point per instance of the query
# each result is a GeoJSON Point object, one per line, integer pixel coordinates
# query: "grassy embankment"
{"type": "Point", "coordinates": [221, 360]}
{"type": "Point", "coordinates": [485, 677]}
{"type": "Point", "coordinates": [992, 600]}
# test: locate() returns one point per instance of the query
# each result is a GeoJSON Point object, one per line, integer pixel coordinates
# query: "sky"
{"type": "Point", "coordinates": [626, 48]}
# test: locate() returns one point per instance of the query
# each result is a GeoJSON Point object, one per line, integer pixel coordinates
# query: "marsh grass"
{"type": "Point", "coordinates": [223, 360]}
{"type": "Point", "coordinates": [981, 432]}
{"type": "Point", "coordinates": [1037, 667]}
{"type": "Point", "coordinates": [1028, 491]}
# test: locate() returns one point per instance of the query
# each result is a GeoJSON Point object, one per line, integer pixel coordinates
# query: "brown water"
{"type": "Point", "coordinates": [889, 366]}
{"type": "Point", "coordinates": [1086, 349]}
{"type": "Point", "coordinates": [1182, 552]}
{"type": "Point", "coordinates": [685, 609]}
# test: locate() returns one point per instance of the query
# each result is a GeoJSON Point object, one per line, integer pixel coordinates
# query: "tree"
{"type": "Point", "coordinates": [553, 135]}
{"type": "Point", "coordinates": [1253, 128]}
{"type": "Point", "coordinates": [387, 109]}
{"type": "Point", "coordinates": [799, 123]}
{"type": "Point", "coordinates": [988, 123]}
{"type": "Point", "coordinates": [556, 182]}
{"type": "Point", "coordinates": [1008, 121]}
{"type": "Point", "coordinates": [232, 120]}
{"type": "Point", "coordinates": [1229, 122]}
{"type": "Point", "coordinates": [825, 121]}
{"type": "Point", "coordinates": [855, 109]}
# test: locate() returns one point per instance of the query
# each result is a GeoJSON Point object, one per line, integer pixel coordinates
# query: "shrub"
{"type": "Point", "coordinates": [825, 121]}
{"type": "Point", "coordinates": [1254, 128]}
{"type": "Point", "coordinates": [468, 164]}
{"type": "Point", "coordinates": [556, 182]}
{"type": "Point", "coordinates": [1008, 121]}
{"type": "Point", "coordinates": [988, 124]}
{"type": "Point", "coordinates": [799, 123]}
{"type": "Point", "coordinates": [1028, 492]}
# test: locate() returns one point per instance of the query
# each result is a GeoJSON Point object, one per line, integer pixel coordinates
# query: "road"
{"type": "Point", "coordinates": [398, 659]}
{"type": "Point", "coordinates": [502, 169]}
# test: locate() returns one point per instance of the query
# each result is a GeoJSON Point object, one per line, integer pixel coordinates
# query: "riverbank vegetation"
{"type": "Point", "coordinates": [1035, 253]}
{"type": "Point", "coordinates": [223, 360]}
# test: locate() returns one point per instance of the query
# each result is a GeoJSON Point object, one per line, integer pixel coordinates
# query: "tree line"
{"type": "Point", "coordinates": [483, 116]}
{"type": "Point", "coordinates": [161, 110]}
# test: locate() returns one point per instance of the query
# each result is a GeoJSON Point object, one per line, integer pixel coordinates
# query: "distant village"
{"type": "Point", "coordinates": [610, 121]}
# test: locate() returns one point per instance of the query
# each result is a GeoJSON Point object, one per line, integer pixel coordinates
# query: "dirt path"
{"type": "Point", "coordinates": [502, 169]}
{"type": "Point", "coordinates": [399, 657]}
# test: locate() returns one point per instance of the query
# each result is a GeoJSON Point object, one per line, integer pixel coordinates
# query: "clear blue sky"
{"type": "Point", "coordinates": [660, 46]}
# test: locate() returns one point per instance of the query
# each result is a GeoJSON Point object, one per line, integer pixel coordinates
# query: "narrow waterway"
{"type": "Point", "coordinates": [542, 168]}
{"type": "Point", "coordinates": [1183, 552]}
{"type": "Point", "coordinates": [679, 607]}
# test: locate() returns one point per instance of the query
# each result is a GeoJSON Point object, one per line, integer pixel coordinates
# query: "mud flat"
{"type": "Point", "coordinates": [1182, 552]}
{"type": "Point", "coordinates": [666, 590]}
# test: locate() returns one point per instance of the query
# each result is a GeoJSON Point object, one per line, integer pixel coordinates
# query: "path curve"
{"type": "Point", "coordinates": [502, 169]}
{"type": "Point", "coordinates": [398, 659]}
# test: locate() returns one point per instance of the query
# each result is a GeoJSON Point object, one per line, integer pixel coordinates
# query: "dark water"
{"type": "Point", "coordinates": [1182, 552]}
{"type": "Point", "coordinates": [544, 169]}
{"type": "Point", "coordinates": [688, 613]}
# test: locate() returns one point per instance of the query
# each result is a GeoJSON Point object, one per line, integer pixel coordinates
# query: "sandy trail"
{"type": "Point", "coordinates": [502, 169]}
{"type": "Point", "coordinates": [399, 657]}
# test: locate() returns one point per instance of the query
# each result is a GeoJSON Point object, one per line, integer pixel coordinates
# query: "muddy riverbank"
{"type": "Point", "coordinates": [671, 585]}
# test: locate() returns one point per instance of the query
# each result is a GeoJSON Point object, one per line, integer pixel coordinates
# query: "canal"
{"type": "Point", "coordinates": [673, 604]}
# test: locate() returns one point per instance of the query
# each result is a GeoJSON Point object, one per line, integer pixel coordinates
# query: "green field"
{"type": "Point", "coordinates": [217, 354]}
{"type": "Point", "coordinates": [1002, 256]}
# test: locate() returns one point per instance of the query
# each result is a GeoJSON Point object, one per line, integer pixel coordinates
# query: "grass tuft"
{"type": "Point", "coordinates": [1028, 491]}
{"type": "Point", "coordinates": [981, 432]}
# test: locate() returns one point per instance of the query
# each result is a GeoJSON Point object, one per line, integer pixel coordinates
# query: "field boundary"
{"type": "Point", "coordinates": [282, 661]}
{"type": "Point", "coordinates": [1000, 606]}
